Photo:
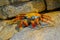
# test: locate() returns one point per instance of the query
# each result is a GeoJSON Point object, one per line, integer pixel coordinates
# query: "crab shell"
{"type": "Point", "coordinates": [33, 18]}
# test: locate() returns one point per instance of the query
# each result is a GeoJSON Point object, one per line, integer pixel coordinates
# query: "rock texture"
{"type": "Point", "coordinates": [4, 2]}
{"type": "Point", "coordinates": [53, 4]}
{"type": "Point", "coordinates": [11, 8]}
{"type": "Point", "coordinates": [42, 34]}
{"type": "Point", "coordinates": [7, 2]}
{"type": "Point", "coordinates": [12, 1]}
{"type": "Point", "coordinates": [6, 30]}
{"type": "Point", "coordinates": [2, 16]}
{"type": "Point", "coordinates": [47, 33]}
{"type": "Point", "coordinates": [24, 7]}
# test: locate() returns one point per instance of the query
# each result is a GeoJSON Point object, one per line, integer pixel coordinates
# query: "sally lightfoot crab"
{"type": "Point", "coordinates": [32, 19]}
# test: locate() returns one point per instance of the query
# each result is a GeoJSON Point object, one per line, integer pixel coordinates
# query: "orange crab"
{"type": "Point", "coordinates": [32, 18]}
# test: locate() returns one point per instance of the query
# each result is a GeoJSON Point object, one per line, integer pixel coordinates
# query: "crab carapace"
{"type": "Point", "coordinates": [32, 19]}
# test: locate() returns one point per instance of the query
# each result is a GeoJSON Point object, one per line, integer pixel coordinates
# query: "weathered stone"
{"type": "Point", "coordinates": [6, 30]}
{"type": "Point", "coordinates": [39, 5]}
{"type": "Point", "coordinates": [23, 0]}
{"type": "Point", "coordinates": [4, 2]}
{"type": "Point", "coordinates": [12, 1]}
{"type": "Point", "coordinates": [52, 4]}
{"type": "Point", "coordinates": [2, 14]}
{"type": "Point", "coordinates": [47, 33]}
{"type": "Point", "coordinates": [33, 6]}
{"type": "Point", "coordinates": [42, 34]}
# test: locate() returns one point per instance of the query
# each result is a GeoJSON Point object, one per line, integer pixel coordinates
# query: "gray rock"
{"type": "Point", "coordinates": [13, 10]}
{"type": "Point", "coordinates": [42, 34]}
{"type": "Point", "coordinates": [52, 4]}
{"type": "Point", "coordinates": [12, 1]}
{"type": "Point", "coordinates": [7, 2]}
{"type": "Point", "coordinates": [2, 16]}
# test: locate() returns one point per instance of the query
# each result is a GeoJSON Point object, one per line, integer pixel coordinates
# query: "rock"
{"type": "Point", "coordinates": [42, 34]}
{"type": "Point", "coordinates": [10, 11]}
{"type": "Point", "coordinates": [13, 10]}
{"type": "Point", "coordinates": [4, 2]}
{"type": "Point", "coordinates": [7, 2]}
{"type": "Point", "coordinates": [6, 30]}
{"type": "Point", "coordinates": [53, 4]}
{"type": "Point", "coordinates": [47, 33]}
{"type": "Point", "coordinates": [39, 5]}
{"type": "Point", "coordinates": [2, 14]}
{"type": "Point", "coordinates": [12, 1]}
{"type": "Point", "coordinates": [23, 0]}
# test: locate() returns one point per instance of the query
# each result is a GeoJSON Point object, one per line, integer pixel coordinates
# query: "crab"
{"type": "Point", "coordinates": [32, 19]}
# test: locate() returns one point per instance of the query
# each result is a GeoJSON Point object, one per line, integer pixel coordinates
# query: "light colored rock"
{"type": "Point", "coordinates": [47, 33]}
{"type": "Point", "coordinates": [6, 30]}
{"type": "Point", "coordinates": [42, 34]}
{"type": "Point", "coordinates": [52, 4]}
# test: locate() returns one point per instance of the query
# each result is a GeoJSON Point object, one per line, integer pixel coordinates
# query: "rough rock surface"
{"type": "Point", "coordinates": [6, 30]}
{"type": "Point", "coordinates": [19, 7]}
{"type": "Point", "coordinates": [52, 4]}
{"type": "Point", "coordinates": [4, 2]}
{"type": "Point", "coordinates": [12, 1]}
{"type": "Point", "coordinates": [47, 33]}
{"type": "Point", "coordinates": [2, 16]}
{"type": "Point", "coordinates": [24, 7]}
{"type": "Point", "coordinates": [7, 2]}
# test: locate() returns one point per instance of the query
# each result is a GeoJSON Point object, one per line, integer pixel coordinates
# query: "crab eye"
{"type": "Point", "coordinates": [33, 17]}
{"type": "Point", "coordinates": [36, 17]}
{"type": "Point", "coordinates": [25, 17]}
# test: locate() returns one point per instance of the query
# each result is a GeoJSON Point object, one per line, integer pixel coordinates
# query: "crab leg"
{"type": "Point", "coordinates": [37, 21]}
{"type": "Point", "coordinates": [20, 26]}
{"type": "Point", "coordinates": [47, 21]}
{"type": "Point", "coordinates": [25, 23]}
{"type": "Point", "coordinates": [33, 24]}
{"type": "Point", "coordinates": [47, 18]}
